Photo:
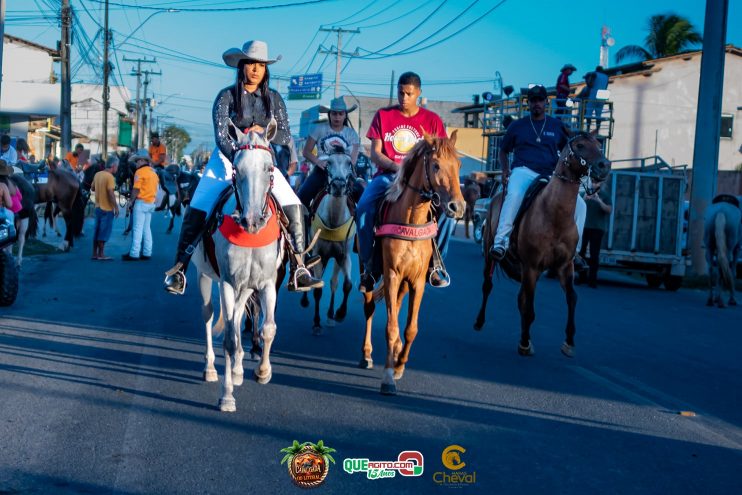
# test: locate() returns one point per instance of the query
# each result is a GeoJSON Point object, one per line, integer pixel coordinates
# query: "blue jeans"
{"type": "Point", "coordinates": [103, 225]}
{"type": "Point", "coordinates": [366, 216]}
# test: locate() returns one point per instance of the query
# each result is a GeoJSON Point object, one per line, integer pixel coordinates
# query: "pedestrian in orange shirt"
{"type": "Point", "coordinates": [142, 204]}
{"type": "Point", "coordinates": [157, 151]}
{"type": "Point", "coordinates": [73, 156]}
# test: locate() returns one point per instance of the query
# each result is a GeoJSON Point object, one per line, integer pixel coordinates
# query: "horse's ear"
{"type": "Point", "coordinates": [271, 130]}
{"type": "Point", "coordinates": [238, 134]}
{"type": "Point", "coordinates": [453, 137]}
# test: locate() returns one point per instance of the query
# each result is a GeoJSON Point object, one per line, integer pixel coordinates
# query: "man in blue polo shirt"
{"type": "Point", "coordinates": [535, 141]}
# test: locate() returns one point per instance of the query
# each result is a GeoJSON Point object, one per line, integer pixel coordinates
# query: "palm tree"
{"type": "Point", "coordinates": [668, 34]}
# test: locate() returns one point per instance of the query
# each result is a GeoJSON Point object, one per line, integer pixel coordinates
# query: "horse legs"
{"type": "Point", "coordinates": [392, 286]}
{"type": "Point", "coordinates": [333, 290]}
{"type": "Point", "coordinates": [413, 311]}
{"type": "Point", "coordinates": [317, 325]}
{"type": "Point", "coordinates": [489, 268]}
{"type": "Point", "coordinates": [347, 287]}
{"type": "Point", "coordinates": [368, 311]}
{"type": "Point", "coordinates": [229, 344]}
{"type": "Point", "coordinates": [207, 313]}
{"type": "Point", "coordinates": [527, 313]}
{"type": "Point", "coordinates": [172, 223]}
{"type": "Point", "coordinates": [566, 279]}
{"type": "Point", "coordinates": [22, 229]}
{"type": "Point", "coordinates": [263, 372]}
{"type": "Point", "coordinates": [733, 267]}
{"type": "Point", "coordinates": [238, 372]}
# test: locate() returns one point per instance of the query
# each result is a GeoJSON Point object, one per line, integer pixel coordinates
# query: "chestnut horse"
{"type": "Point", "coordinates": [428, 177]}
{"type": "Point", "coordinates": [546, 237]}
{"type": "Point", "coordinates": [63, 188]}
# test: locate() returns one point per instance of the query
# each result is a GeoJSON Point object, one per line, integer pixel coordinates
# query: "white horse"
{"type": "Point", "coordinates": [335, 222]}
{"type": "Point", "coordinates": [242, 270]}
{"type": "Point", "coordinates": [722, 238]}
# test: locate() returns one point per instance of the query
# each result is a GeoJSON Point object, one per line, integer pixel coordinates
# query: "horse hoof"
{"type": "Point", "coordinates": [399, 374]}
{"type": "Point", "coordinates": [265, 379]}
{"type": "Point", "coordinates": [237, 379]}
{"type": "Point", "coordinates": [227, 405]}
{"type": "Point", "coordinates": [317, 330]}
{"type": "Point", "coordinates": [304, 302]}
{"type": "Point", "coordinates": [568, 350]}
{"type": "Point", "coordinates": [388, 389]}
{"type": "Point", "coordinates": [330, 322]}
{"type": "Point", "coordinates": [478, 325]}
{"type": "Point", "coordinates": [340, 315]}
{"type": "Point", "coordinates": [254, 356]}
{"type": "Point", "coordinates": [367, 364]}
{"type": "Point", "coordinates": [210, 376]}
{"type": "Point", "coordinates": [526, 351]}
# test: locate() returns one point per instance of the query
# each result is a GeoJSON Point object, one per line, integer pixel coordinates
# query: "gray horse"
{"type": "Point", "coordinates": [242, 270]}
{"type": "Point", "coordinates": [336, 225]}
{"type": "Point", "coordinates": [722, 237]}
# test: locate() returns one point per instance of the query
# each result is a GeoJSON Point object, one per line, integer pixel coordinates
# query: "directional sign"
{"type": "Point", "coordinates": [305, 87]}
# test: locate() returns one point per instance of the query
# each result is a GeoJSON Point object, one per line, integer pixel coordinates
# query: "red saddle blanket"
{"type": "Point", "coordinates": [238, 236]}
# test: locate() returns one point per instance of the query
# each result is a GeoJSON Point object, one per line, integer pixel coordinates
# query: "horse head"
{"type": "Point", "coordinates": [584, 158]}
{"type": "Point", "coordinates": [252, 177]}
{"type": "Point", "coordinates": [440, 172]}
{"type": "Point", "coordinates": [339, 172]}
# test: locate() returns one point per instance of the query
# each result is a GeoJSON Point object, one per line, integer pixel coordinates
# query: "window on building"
{"type": "Point", "coordinates": [727, 123]}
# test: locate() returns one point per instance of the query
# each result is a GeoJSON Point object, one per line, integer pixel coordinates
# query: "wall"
{"type": "Point", "coordinates": [661, 108]}
{"type": "Point", "coordinates": [22, 63]}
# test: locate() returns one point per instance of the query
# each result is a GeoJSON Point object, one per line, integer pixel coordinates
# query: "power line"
{"type": "Point", "coordinates": [218, 9]}
{"type": "Point", "coordinates": [408, 51]}
{"type": "Point", "coordinates": [338, 23]}
{"type": "Point", "coordinates": [368, 26]}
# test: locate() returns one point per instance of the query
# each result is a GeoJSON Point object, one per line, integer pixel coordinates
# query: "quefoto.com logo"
{"type": "Point", "coordinates": [451, 459]}
{"type": "Point", "coordinates": [408, 463]}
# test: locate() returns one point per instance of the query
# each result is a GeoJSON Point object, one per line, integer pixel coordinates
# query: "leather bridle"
{"type": "Point", "coordinates": [250, 147]}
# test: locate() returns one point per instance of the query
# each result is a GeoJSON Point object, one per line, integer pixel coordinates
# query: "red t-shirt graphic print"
{"type": "Point", "coordinates": [399, 134]}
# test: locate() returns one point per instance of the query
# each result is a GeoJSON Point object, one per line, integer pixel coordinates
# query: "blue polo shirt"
{"type": "Point", "coordinates": [540, 157]}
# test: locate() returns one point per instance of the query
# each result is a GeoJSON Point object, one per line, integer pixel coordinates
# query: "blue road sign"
{"type": "Point", "coordinates": [305, 87]}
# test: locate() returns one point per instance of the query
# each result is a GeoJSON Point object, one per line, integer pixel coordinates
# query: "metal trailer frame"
{"type": "Point", "coordinates": [650, 263]}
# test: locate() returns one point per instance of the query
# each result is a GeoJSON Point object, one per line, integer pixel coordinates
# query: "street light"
{"type": "Point", "coordinates": [166, 11]}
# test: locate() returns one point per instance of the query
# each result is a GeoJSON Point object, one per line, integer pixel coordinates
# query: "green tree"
{"type": "Point", "coordinates": [176, 139]}
{"type": "Point", "coordinates": [667, 34]}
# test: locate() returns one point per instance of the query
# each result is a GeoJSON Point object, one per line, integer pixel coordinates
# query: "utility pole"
{"type": "Point", "coordinates": [106, 89]}
{"type": "Point", "coordinates": [146, 73]}
{"type": "Point", "coordinates": [2, 42]}
{"type": "Point", "coordinates": [65, 112]}
{"type": "Point", "coordinates": [391, 89]}
{"type": "Point", "coordinates": [138, 73]}
{"type": "Point", "coordinates": [708, 124]}
{"type": "Point", "coordinates": [338, 52]}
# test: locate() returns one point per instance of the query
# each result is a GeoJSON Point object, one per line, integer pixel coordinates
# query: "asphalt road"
{"type": "Point", "coordinates": [100, 373]}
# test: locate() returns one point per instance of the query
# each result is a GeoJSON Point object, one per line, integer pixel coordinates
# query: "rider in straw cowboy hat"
{"type": "Point", "coordinates": [249, 104]}
{"type": "Point", "coordinates": [328, 136]}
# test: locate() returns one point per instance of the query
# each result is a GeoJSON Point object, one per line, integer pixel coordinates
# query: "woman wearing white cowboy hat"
{"type": "Point", "coordinates": [249, 104]}
{"type": "Point", "coordinates": [327, 136]}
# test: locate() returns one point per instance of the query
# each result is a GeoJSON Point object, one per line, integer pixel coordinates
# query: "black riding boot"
{"type": "Point", "coordinates": [194, 222]}
{"type": "Point", "coordinates": [300, 279]}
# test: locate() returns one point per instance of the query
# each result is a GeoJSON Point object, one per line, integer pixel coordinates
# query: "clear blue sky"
{"type": "Point", "coordinates": [526, 41]}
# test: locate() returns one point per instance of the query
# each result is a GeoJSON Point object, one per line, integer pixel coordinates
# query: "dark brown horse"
{"type": "Point", "coordinates": [63, 188]}
{"type": "Point", "coordinates": [428, 176]}
{"type": "Point", "coordinates": [472, 192]}
{"type": "Point", "coordinates": [546, 237]}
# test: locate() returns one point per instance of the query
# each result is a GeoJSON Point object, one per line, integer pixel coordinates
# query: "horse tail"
{"type": "Point", "coordinates": [720, 223]}
{"type": "Point", "coordinates": [218, 327]}
{"type": "Point", "coordinates": [33, 222]}
{"type": "Point", "coordinates": [379, 292]}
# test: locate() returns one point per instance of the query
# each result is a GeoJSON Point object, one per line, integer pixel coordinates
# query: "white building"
{"type": "Point", "coordinates": [654, 109]}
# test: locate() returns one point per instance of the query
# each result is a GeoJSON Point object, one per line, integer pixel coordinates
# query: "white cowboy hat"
{"type": "Point", "coordinates": [142, 154]}
{"type": "Point", "coordinates": [251, 50]}
{"type": "Point", "coordinates": [337, 105]}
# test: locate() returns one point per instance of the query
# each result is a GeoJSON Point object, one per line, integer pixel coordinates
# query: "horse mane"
{"type": "Point", "coordinates": [441, 147]}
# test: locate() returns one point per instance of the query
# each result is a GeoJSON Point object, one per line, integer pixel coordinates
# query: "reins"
{"type": "Point", "coordinates": [250, 147]}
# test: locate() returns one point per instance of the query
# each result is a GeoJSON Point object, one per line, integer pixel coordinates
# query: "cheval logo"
{"type": "Point", "coordinates": [403, 138]}
{"type": "Point", "coordinates": [308, 463]}
{"type": "Point", "coordinates": [408, 463]}
{"type": "Point", "coordinates": [451, 459]}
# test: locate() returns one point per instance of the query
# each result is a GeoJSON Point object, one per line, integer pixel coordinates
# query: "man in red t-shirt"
{"type": "Point", "coordinates": [393, 133]}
